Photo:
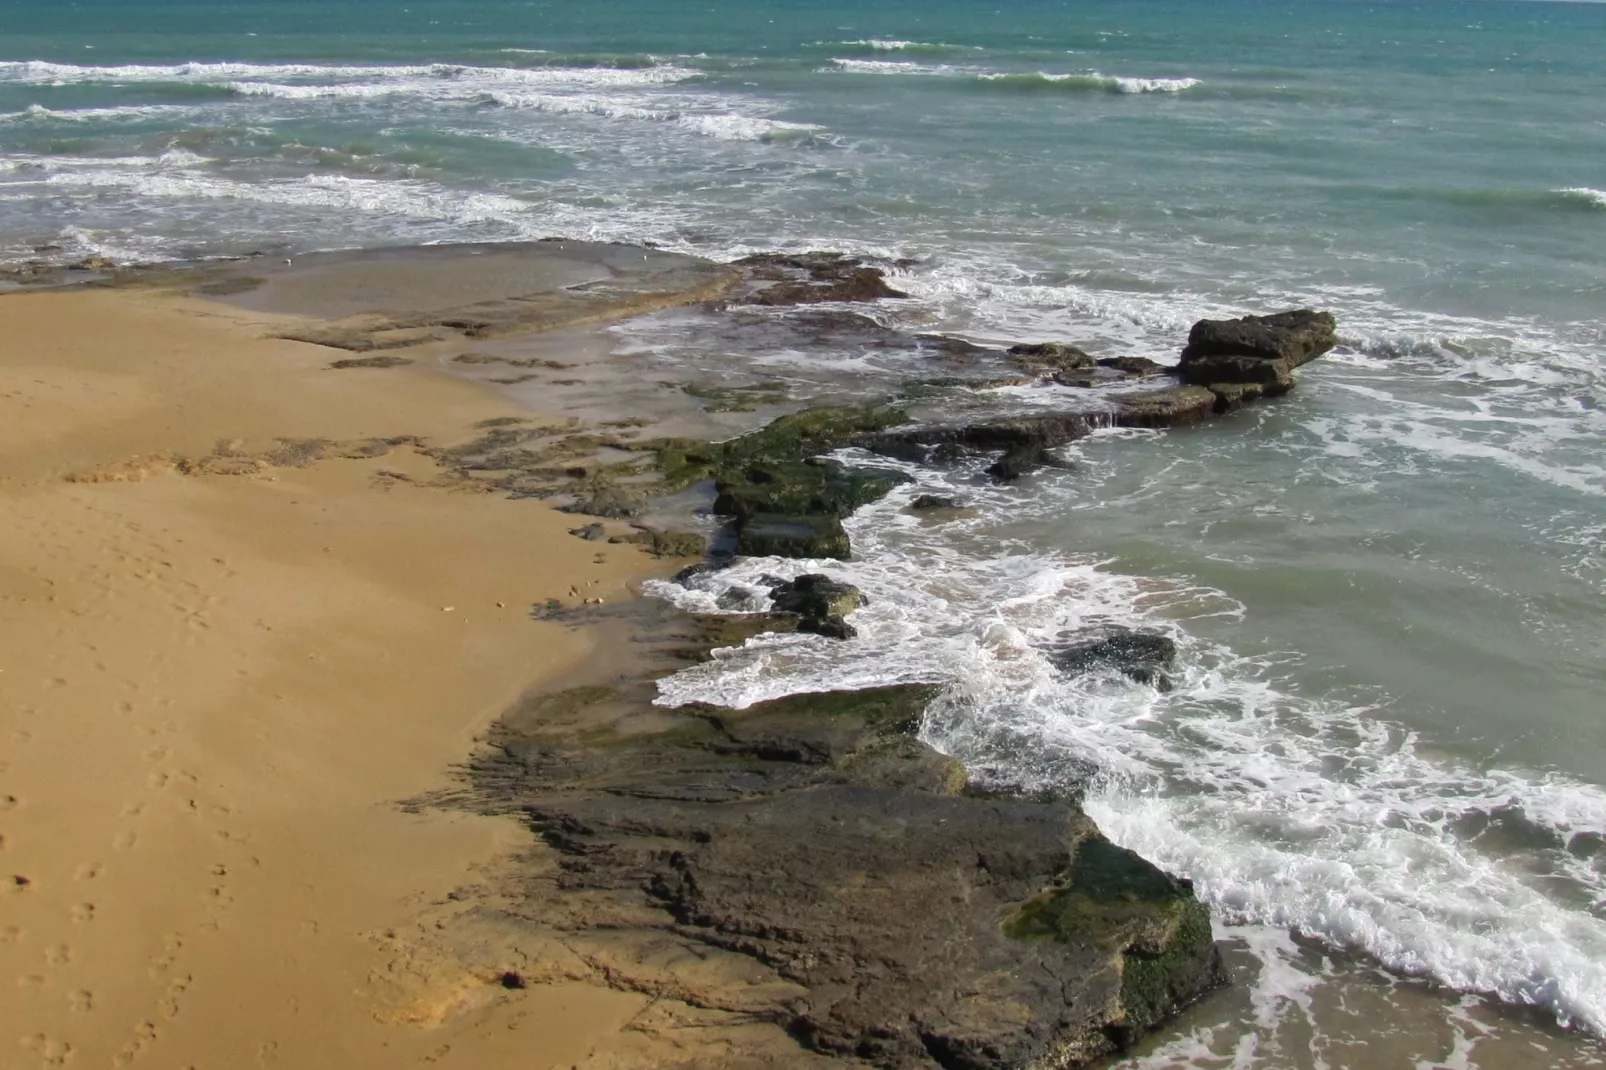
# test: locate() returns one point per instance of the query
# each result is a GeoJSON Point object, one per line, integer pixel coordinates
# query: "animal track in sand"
{"type": "Point", "coordinates": [124, 840]}
{"type": "Point", "coordinates": [31, 980]}
{"type": "Point", "coordinates": [268, 1053]}
{"type": "Point", "coordinates": [83, 912]}
{"type": "Point", "coordinates": [82, 1000]}
{"type": "Point", "coordinates": [10, 934]}
{"type": "Point", "coordinates": [58, 954]}
{"type": "Point", "coordinates": [88, 871]}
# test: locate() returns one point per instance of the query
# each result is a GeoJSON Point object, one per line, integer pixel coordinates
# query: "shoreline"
{"type": "Point", "coordinates": [321, 508]}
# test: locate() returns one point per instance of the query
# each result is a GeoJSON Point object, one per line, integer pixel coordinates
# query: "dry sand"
{"type": "Point", "coordinates": [215, 688]}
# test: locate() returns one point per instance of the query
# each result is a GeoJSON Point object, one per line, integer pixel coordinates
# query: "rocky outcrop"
{"type": "Point", "coordinates": [903, 922]}
{"type": "Point", "coordinates": [820, 604]}
{"type": "Point", "coordinates": [782, 498]}
{"type": "Point", "coordinates": [811, 278]}
{"type": "Point", "coordinates": [1256, 351]}
{"type": "Point", "coordinates": [1175, 406]}
{"type": "Point", "coordinates": [1026, 441]}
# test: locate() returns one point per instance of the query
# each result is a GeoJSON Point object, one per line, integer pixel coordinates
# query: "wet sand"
{"type": "Point", "coordinates": [218, 680]}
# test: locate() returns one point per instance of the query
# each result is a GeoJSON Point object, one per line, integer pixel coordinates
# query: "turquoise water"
{"type": "Point", "coordinates": [1388, 586]}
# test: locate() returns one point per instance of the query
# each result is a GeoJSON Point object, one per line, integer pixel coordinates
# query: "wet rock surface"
{"type": "Point", "coordinates": [902, 922]}
{"type": "Point", "coordinates": [1146, 657]}
{"type": "Point", "coordinates": [820, 604]}
{"type": "Point", "coordinates": [813, 278]}
{"type": "Point", "coordinates": [1258, 350]}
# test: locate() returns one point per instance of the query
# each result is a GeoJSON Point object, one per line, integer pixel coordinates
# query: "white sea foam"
{"type": "Point", "coordinates": [886, 66]}
{"type": "Point", "coordinates": [1093, 80]}
{"type": "Point", "coordinates": [221, 73]}
{"type": "Point", "coordinates": [40, 113]}
{"type": "Point", "coordinates": [1595, 198]}
{"type": "Point", "coordinates": [885, 45]}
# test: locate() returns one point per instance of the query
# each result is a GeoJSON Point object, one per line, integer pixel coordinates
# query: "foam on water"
{"type": "Point", "coordinates": [1091, 80]}
{"type": "Point", "coordinates": [1594, 198]}
{"type": "Point", "coordinates": [1301, 814]}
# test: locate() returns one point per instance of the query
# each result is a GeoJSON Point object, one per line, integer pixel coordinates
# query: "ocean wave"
{"type": "Point", "coordinates": [1090, 82]}
{"type": "Point", "coordinates": [723, 126]}
{"type": "Point", "coordinates": [913, 47]}
{"type": "Point", "coordinates": [882, 66]}
{"type": "Point", "coordinates": [1590, 198]}
{"type": "Point", "coordinates": [37, 72]}
{"type": "Point", "coordinates": [40, 113]}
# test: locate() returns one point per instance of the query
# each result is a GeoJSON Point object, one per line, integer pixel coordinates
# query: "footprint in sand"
{"type": "Point", "coordinates": [10, 934]}
{"type": "Point", "coordinates": [175, 990]}
{"type": "Point", "coordinates": [87, 872]}
{"type": "Point", "coordinates": [124, 840]}
{"type": "Point", "coordinates": [31, 980]}
{"type": "Point", "coordinates": [82, 912]}
{"type": "Point", "coordinates": [54, 1052]}
{"type": "Point", "coordinates": [82, 1000]}
{"type": "Point", "coordinates": [58, 955]}
{"type": "Point", "coordinates": [144, 1037]}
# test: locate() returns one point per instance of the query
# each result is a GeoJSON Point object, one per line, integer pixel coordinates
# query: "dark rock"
{"type": "Point", "coordinates": [665, 543]}
{"type": "Point", "coordinates": [382, 361]}
{"type": "Point", "coordinates": [817, 837]}
{"type": "Point", "coordinates": [1137, 366]}
{"type": "Point", "coordinates": [701, 568]}
{"type": "Point", "coordinates": [810, 278]}
{"type": "Point", "coordinates": [817, 488]}
{"type": "Point", "coordinates": [1146, 657]}
{"type": "Point", "coordinates": [606, 499]}
{"type": "Point", "coordinates": [1175, 406]}
{"type": "Point", "coordinates": [771, 535]}
{"type": "Point", "coordinates": [931, 502]}
{"type": "Point", "coordinates": [1046, 430]}
{"type": "Point", "coordinates": [816, 595]}
{"type": "Point", "coordinates": [832, 627]}
{"type": "Point", "coordinates": [1231, 396]}
{"type": "Point", "coordinates": [1257, 349]}
{"type": "Point", "coordinates": [736, 598]}
{"type": "Point", "coordinates": [1018, 461]}
{"type": "Point", "coordinates": [950, 453]}
{"type": "Point", "coordinates": [591, 532]}
{"type": "Point", "coordinates": [1051, 357]}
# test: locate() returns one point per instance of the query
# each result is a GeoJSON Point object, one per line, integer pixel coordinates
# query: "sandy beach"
{"type": "Point", "coordinates": [219, 679]}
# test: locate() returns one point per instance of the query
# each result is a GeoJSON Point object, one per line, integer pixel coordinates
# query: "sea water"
{"type": "Point", "coordinates": [1384, 762]}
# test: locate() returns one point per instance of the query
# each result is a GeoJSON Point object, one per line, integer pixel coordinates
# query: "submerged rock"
{"type": "Point", "coordinates": [737, 598]}
{"type": "Point", "coordinates": [810, 278]}
{"type": "Point", "coordinates": [1260, 350]}
{"type": "Point", "coordinates": [1146, 657]}
{"type": "Point", "coordinates": [1175, 406]}
{"type": "Point", "coordinates": [927, 503]}
{"type": "Point", "coordinates": [887, 918]}
{"type": "Point", "coordinates": [1051, 358]}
